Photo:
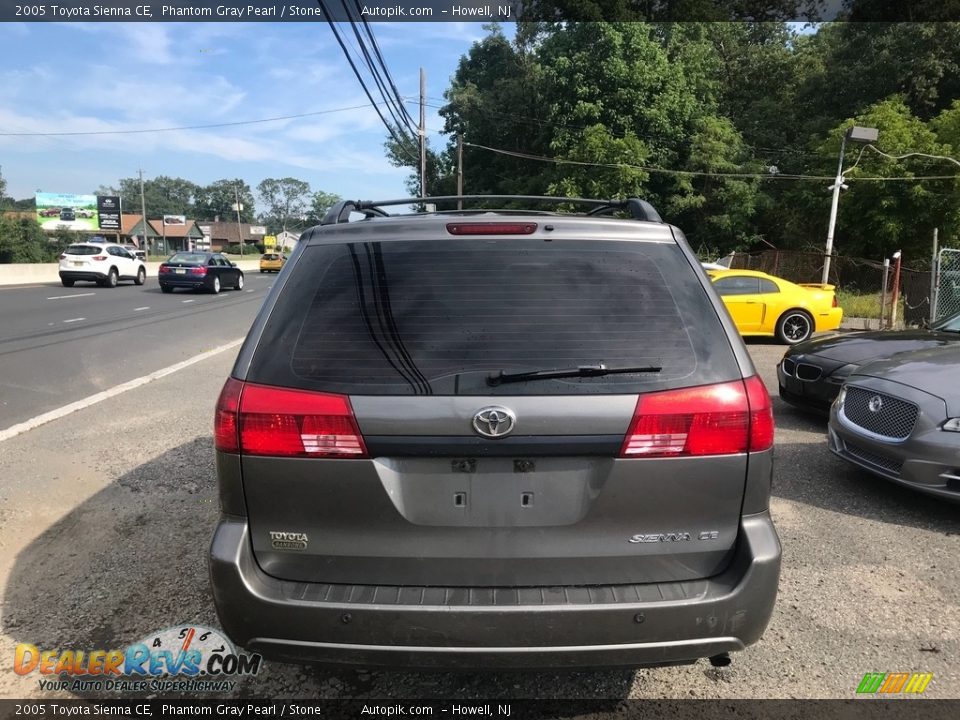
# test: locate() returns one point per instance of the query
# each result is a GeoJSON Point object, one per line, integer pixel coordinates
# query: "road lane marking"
{"type": "Point", "coordinates": [143, 308]}
{"type": "Point", "coordinates": [186, 301]}
{"type": "Point", "coordinates": [74, 320]}
{"type": "Point", "coordinates": [20, 287]}
{"type": "Point", "coordinates": [46, 417]}
{"type": "Point", "coordinates": [249, 290]}
{"type": "Point", "coordinates": [64, 297]}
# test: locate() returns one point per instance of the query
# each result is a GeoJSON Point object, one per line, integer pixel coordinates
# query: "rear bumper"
{"type": "Point", "coordinates": [183, 282]}
{"type": "Point", "coordinates": [536, 628]}
{"type": "Point", "coordinates": [82, 275]}
{"type": "Point", "coordinates": [829, 319]}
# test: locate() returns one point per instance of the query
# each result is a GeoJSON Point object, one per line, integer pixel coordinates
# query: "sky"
{"type": "Point", "coordinates": [77, 77]}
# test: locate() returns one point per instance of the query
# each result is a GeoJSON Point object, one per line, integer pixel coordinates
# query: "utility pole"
{"type": "Point", "coordinates": [236, 192]}
{"type": "Point", "coordinates": [856, 134]}
{"type": "Point", "coordinates": [934, 277]}
{"type": "Point", "coordinates": [895, 291]}
{"type": "Point", "coordinates": [423, 134]}
{"type": "Point", "coordinates": [143, 211]}
{"type": "Point", "coordinates": [459, 169]}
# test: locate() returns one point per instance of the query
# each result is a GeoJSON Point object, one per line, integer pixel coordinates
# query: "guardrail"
{"type": "Point", "coordinates": [37, 273]}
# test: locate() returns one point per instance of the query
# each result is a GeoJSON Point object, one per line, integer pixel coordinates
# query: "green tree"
{"type": "Point", "coordinates": [876, 218]}
{"type": "Point", "coordinates": [219, 199]}
{"type": "Point", "coordinates": [285, 202]}
{"type": "Point", "coordinates": [320, 202]}
{"type": "Point", "coordinates": [22, 241]}
{"type": "Point", "coordinates": [163, 195]}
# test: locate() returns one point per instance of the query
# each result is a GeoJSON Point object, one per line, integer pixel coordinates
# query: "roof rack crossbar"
{"type": "Point", "coordinates": [638, 209]}
{"type": "Point", "coordinates": [340, 212]}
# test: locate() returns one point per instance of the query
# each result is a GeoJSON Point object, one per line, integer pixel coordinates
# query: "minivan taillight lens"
{"type": "Point", "coordinates": [761, 414]}
{"type": "Point", "coordinates": [287, 423]}
{"type": "Point", "coordinates": [721, 419]}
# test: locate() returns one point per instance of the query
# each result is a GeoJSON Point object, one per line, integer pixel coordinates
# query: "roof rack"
{"type": "Point", "coordinates": [636, 208]}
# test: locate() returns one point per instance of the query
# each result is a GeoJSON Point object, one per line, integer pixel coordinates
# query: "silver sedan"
{"type": "Point", "coordinates": [899, 418]}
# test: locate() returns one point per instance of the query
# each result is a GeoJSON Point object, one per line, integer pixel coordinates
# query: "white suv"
{"type": "Point", "coordinates": [103, 263]}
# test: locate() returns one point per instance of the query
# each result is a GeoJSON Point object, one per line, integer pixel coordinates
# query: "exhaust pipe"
{"type": "Point", "coordinates": [721, 660]}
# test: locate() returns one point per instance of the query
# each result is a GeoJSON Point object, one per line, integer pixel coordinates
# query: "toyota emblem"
{"type": "Point", "coordinates": [494, 422]}
{"type": "Point", "coordinates": [875, 404]}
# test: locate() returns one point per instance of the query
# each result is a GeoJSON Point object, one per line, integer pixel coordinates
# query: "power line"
{"type": "Point", "coordinates": [899, 157]}
{"type": "Point", "coordinates": [548, 123]}
{"type": "Point", "coordinates": [698, 173]}
{"type": "Point", "coordinates": [376, 49]}
{"type": "Point", "coordinates": [393, 133]}
{"type": "Point", "coordinates": [183, 127]}
{"type": "Point", "coordinates": [394, 106]}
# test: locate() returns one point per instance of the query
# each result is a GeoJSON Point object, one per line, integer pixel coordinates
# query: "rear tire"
{"type": "Point", "coordinates": [794, 326]}
{"type": "Point", "coordinates": [141, 277]}
{"type": "Point", "coordinates": [239, 285]}
{"type": "Point", "coordinates": [215, 288]}
{"type": "Point", "coordinates": [112, 278]}
{"type": "Point", "coordinates": [67, 283]}
{"type": "Point", "coordinates": [166, 288]}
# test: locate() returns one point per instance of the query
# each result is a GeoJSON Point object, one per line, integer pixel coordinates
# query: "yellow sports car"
{"type": "Point", "coordinates": [271, 262]}
{"type": "Point", "coordinates": [762, 304]}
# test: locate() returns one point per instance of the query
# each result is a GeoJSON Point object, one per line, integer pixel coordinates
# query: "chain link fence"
{"type": "Point", "coordinates": [947, 291]}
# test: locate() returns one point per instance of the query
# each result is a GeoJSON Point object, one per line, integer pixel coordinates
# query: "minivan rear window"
{"type": "Point", "coordinates": [83, 250]}
{"type": "Point", "coordinates": [439, 317]}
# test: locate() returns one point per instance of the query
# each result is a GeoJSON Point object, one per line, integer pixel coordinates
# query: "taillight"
{"type": "Point", "coordinates": [198, 271]}
{"type": "Point", "coordinates": [491, 228]}
{"type": "Point", "coordinates": [721, 419]}
{"type": "Point", "coordinates": [225, 432]}
{"type": "Point", "coordinates": [99, 257]}
{"type": "Point", "coordinates": [164, 269]}
{"type": "Point", "coordinates": [834, 303]}
{"type": "Point", "coordinates": [761, 414]}
{"type": "Point", "coordinates": [63, 257]}
{"type": "Point", "coordinates": [264, 420]}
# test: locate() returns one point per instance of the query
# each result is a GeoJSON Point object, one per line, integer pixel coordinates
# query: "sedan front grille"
{"type": "Point", "coordinates": [808, 372]}
{"type": "Point", "coordinates": [788, 366]}
{"type": "Point", "coordinates": [880, 414]}
{"type": "Point", "coordinates": [872, 458]}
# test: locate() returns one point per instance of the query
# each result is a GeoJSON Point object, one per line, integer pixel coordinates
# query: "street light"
{"type": "Point", "coordinates": [854, 134]}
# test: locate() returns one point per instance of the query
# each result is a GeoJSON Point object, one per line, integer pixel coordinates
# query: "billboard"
{"type": "Point", "coordinates": [108, 212]}
{"type": "Point", "coordinates": [74, 212]}
{"type": "Point", "coordinates": [174, 219]}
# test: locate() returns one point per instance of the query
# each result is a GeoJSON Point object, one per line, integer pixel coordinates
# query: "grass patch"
{"type": "Point", "coordinates": [864, 305]}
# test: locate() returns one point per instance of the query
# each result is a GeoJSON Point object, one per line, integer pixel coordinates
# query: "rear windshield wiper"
{"type": "Point", "coordinates": [581, 371]}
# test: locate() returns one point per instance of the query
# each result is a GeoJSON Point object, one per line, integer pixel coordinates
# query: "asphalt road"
{"type": "Point", "coordinates": [106, 515]}
{"type": "Point", "coordinates": [58, 344]}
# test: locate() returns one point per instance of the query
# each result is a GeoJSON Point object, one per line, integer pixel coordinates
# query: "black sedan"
{"type": "Point", "coordinates": [199, 271]}
{"type": "Point", "coordinates": [811, 373]}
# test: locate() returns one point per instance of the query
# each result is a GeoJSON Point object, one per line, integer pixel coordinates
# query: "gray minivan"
{"type": "Point", "coordinates": [494, 439]}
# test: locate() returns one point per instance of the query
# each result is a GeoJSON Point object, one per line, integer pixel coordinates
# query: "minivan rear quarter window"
{"type": "Point", "coordinates": [441, 316]}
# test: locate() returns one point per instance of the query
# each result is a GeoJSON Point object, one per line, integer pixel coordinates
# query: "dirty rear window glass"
{"type": "Point", "coordinates": [83, 250]}
{"type": "Point", "coordinates": [438, 317]}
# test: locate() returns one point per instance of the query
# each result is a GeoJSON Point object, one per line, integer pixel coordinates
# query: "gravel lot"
{"type": "Point", "coordinates": [105, 518]}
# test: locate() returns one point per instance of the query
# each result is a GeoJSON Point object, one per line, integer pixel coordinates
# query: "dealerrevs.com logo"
{"type": "Point", "coordinates": [184, 658]}
{"type": "Point", "coordinates": [887, 684]}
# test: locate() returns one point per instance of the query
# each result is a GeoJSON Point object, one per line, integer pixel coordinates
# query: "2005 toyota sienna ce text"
{"type": "Point", "coordinates": [494, 439]}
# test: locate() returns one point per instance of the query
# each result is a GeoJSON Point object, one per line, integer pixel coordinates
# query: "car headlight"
{"type": "Point", "coordinates": [953, 425]}
{"type": "Point", "coordinates": [841, 396]}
